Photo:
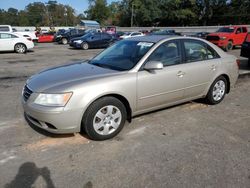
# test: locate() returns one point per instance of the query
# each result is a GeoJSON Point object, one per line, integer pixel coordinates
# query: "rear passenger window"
{"type": "Point", "coordinates": [195, 51]}
{"type": "Point", "coordinates": [168, 53]}
{"type": "Point", "coordinates": [244, 30]}
{"type": "Point", "coordinates": [5, 36]}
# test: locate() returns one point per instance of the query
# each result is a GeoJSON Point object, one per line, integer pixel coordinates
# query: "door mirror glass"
{"type": "Point", "coordinates": [153, 65]}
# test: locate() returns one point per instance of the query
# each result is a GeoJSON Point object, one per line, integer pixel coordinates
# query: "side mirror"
{"type": "Point", "coordinates": [153, 65]}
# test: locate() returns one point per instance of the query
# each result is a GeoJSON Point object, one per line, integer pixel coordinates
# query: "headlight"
{"type": "Point", "coordinates": [58, 36]}
{"type": "Point", "coordinates": [223, 38]}
{"type": "Point", "coordinates": [59, 100]}
{"type": "Point", "coordinates": [78, 41]}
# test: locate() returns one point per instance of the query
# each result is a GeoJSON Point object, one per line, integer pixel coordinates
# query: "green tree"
{"type": "Point", "coordinates": [98, 10]}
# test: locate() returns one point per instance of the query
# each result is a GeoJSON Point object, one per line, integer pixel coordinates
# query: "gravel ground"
{"type": "Point", "coordinates": [189, 145]}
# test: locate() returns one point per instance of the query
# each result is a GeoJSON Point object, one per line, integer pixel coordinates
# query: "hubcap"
{"type": "Point", "coordinates": [107, 120]}
{"type": "Point", "coordinates": [219, 90]}
{"type": "Point", "coordinates": [85, 46]}
{"type": "Point", "coordinates": [20, 48]}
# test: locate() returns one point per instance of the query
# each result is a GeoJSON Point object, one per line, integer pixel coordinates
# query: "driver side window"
{"type": "Point", "coordinates": [169, 53]}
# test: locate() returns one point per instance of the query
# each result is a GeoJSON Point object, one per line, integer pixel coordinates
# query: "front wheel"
{"type": "Point", "coordinates": [104, 118]}
{"type": "Point", "coordinates": [229, 46]}
{"type": "Point", "coordinates": [85, 45]}
{"type": "Point", "coordinates": [217, 91]}
{"type": "Point", "coordinates": [20, 48]}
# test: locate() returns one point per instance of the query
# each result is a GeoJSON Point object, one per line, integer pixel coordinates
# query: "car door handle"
{"type": "Point", "coordinates": [180, 74]}
{"type": "Point", "coordinates": [213, 67]}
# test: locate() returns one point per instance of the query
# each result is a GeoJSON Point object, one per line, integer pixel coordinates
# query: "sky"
{"type": "Point", "coordinates": [79, 5]}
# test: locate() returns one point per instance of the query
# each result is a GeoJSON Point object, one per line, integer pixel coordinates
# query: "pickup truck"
{"type": "Point", "coordinates": [245, 48]}
{"type": "Point", "coordinates": [65, 37]}
{"type": "Point", "coordinates": [27, 34]}
{"type": "Point", "coordinates": [229, 36]}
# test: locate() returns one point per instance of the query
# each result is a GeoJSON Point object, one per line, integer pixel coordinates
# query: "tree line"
{"type": "Point", "coordinates": [133, 13]}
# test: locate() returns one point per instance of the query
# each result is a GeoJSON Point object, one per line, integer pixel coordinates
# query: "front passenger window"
{"type": "Point", "coordinates": [168, 53]}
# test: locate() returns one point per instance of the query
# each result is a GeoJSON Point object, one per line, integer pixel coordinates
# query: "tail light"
{"type": "Point", "coordinates": [238, 63]}
{"type": "Point", "coordinates": [29, 39]}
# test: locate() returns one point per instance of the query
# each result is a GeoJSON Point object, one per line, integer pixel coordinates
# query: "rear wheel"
{"type": "Point", "coordinates": [20, 48]}
{"type": "Point", "coordinates": [217, 91]}
{"type": "Point", "coordinates": [64, 41]}
{"type": "Point", "coordinates": [104, 118]}
{"type": "Point", "coordinates": [85, 45]}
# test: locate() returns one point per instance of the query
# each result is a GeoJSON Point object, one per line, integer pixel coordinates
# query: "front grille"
{"type": "Point", "coordinates": [26, 93]}
{"type": "Point", "coordinates": [213, 38]}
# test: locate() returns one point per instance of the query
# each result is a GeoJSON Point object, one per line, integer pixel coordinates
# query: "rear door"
{"type": "Point", "coordinates": [200, 67]}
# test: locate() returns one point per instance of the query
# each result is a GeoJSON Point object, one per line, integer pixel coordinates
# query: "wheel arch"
{"type": "Point", "coordinates": [120, 97]}
{"type": "Point", "coordinates": [228, 81]}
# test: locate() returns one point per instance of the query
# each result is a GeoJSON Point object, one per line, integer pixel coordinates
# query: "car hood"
{"type": "Point", "coordinates": [67, 74]}
{"type": "Point", "coordinates": [220, 34]}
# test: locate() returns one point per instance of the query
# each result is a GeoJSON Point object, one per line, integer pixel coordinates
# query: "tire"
{"type": "Point", "coordinates": [229, 46]}
{"type": "Point", "coordinates": [104, 118]}
{"type": "Point", "coordinates": [249, 62]}
{"type": "Point", "coordinates": [64, 41]}
{"type": "Point", "coordinates": [217, 91]}
{"type": "Point", "coordinates": [85, 46]}
{"type": "Point", "coordinates": [20, 48]}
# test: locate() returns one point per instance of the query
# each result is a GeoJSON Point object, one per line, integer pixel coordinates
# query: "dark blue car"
{"type": "Point", "coordinates": [92, 40]}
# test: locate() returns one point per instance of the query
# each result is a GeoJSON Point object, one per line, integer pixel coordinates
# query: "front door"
{"type": "Point", "coordinates": [160, 87]}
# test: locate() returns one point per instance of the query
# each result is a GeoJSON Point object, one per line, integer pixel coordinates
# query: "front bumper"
{"type": "Point", "coordinates": [220, 43]}
{"type": "Point", "coordinates": [53, 119]}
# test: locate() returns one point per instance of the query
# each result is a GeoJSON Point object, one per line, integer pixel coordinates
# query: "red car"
{"type": "Point", "coordinates": [46, 37]}
{"type": "Point", "coordinates": [228, 37]}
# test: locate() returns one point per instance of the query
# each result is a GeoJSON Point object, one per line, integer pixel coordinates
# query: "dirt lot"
{"type": "Point", "coordinates": [190, 145]}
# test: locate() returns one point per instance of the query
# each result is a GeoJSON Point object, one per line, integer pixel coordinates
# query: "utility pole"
{"type": "Point", "coordinates": [132, 13]}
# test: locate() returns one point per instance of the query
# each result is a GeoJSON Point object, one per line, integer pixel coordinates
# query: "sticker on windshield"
{"type": "Point", "coordinates": [147, 44]}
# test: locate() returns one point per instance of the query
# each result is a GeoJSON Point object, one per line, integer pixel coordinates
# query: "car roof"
{"type": "Point", "coordinates": [151, 38]}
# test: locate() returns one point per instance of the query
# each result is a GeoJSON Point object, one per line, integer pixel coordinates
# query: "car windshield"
{"type": "Point", "coordinates": [123, 55]}
{"type": "Point", "coordinates": [226, 30]}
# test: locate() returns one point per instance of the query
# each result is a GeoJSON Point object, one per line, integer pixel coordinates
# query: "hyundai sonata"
{"type": "Point", "coordinates": [132, 77]}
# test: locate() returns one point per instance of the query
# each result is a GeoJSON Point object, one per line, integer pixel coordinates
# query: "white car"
{"type": "Point", "coordinates": [131, 34]}
{"type": "Point", "coordinates": [14, 42]}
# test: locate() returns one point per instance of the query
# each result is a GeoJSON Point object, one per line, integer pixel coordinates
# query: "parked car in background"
{"type": "Point", "coordinates": [145, 32]}
{"type": "Point", "coordinates": [245, 48]}
{"type": "Point", "coordinates": [14, 42]}
{"type": "Point", "coordinates": [131, 34]}
{"type": "Point", "coordinates": [46, 37]}
{"type": "Point", "coordinates": [65, 37]}
{"type": "Point", "coordinates": [202, 35]}
{"type": "Point", "coordinates": [8, 28]}
{"type": "Point", "coordinates": [165, 32]}
{"type": "Point", "coordinates": [132, 77]}
{"type": "Point", "coordinates": [228, 37]}
{"type": "Point", "coordinates": [92, 40]}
